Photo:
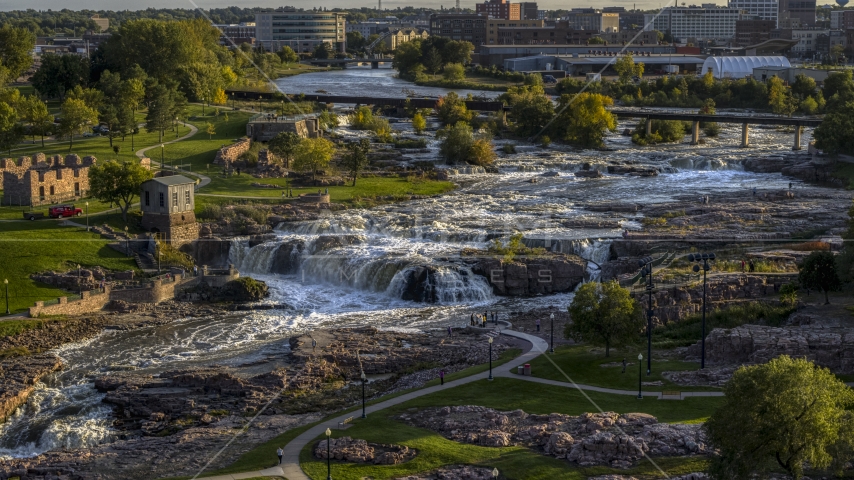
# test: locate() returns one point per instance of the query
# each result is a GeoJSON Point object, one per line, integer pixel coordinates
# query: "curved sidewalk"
{"type": "Point", "coordinates": [203, 180]}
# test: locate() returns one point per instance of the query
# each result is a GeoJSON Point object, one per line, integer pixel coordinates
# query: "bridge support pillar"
{"type": "Point", "coordinates": [648, 127]}
{"type": "Point", "coordinates": [695, 132]}
{"type": "Point", "coordinates": [375, 65]}
{"type": "Point", "coordinates": [798, 131]}
{"type": "Point", "coordinates": [745, 135]}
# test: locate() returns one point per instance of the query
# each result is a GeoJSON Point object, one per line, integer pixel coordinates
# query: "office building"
{"type": "Point", "coordinates": [236, 34]}
{"type": "Point", "coordinates": [592, 19]}
{"type": "Point", "coordinates": [751, 32]}
{"type": "Point", "coordinates": [796, 14]}
{"type": "Point", "coordinates": [841, 19]}
{"type": "Point", "coordinates": [470, 27]}
{"type": "Point", "coordinates": [299, 29]}
{"type": "Point", "coordinates": [708, 22]}
{"type": "Point", "coordinates": [759, 9]}
{"type": "Point", "coordinates": [499, 9]}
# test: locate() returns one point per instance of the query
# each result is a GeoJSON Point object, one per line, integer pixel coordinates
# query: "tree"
{"type": "Point", "coordinates": [803, 86]}
{"type": "Point", "coordinates": [626, 68]}
{"type": "Point", "coordinates": [117, 182]}
{"type": "Point", "coordinates": [838, 83]}
{"type": "Point", "coordinates": [406, 56]}
{"type": "Point", "coordinates": [357, 157]}
{"type": "Point", "coordinates": [481, 152]}
{"type": "Point", "coordinates": [604, 314]}
{"type": "Point", "coordinates": [59, 74]}
{"type": "Point", "coordinates": [322, 51]}
{"type": "Point", "coordinates": [210, 129]}
{"type": "Point", "coordinates": [35, 112]}
{"type": "Point", "coordinates": [433, 61]}
{"type": "Point", "coordinates": [836, 52]}
{"type": "Point", "coordinates": [819, 272]}
{"type": "Point", "coordinates": [284, 145]}
{"type": "Point", "coordinates": [163, 106]}
{"type": "Point", "coordinates": [419, 123]}
{"type": "Point", "coordinates": [313, 155]}
{"type": "Point", "coordinates": [457, 142]}
{"type": "Point", "coordinates": [15, 47]}
{"type": "Point", "coordinates": [780, 98]}
{"type": "Point", "coordinates": [531, 109]}
{"type": "Point", "coordinates": [584, 119]}
{"type": "Point", "coordinates": [76, 115]}
{"type": "Point", "coordinates": [288, 55]}
{"type": "Point", "coordinates": [452, 109]}
{"type": "Point", "coordinates": [779, 414]}
{"type": "Point", "coordinates": [835, 135]}
{"type": "Point", "coordinates": [596, 41]}
{"type": "Point", "coordinates": [10, 130]}
{"type": "Point", "coordinates": [454, 71]}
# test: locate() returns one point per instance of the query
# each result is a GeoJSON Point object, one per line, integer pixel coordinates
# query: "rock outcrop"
{"type": "Point", "coordinates": [590, 439]}
{"type": "Point", "coordinates": [828, 347]}
{"type": "Point", "coordinates": [359, 451]}
{"type": "Point", "coordinates": [552, 273]}
{"type": "Point", "coordinates": [18, 377]}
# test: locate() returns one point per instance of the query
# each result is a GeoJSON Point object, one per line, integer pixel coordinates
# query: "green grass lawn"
{"type": "Point", "coordinates": [15, 212]}
{"type": "Point", "coordinates": [512, 462]}
{"type": "Point", "coordinates": [585, 365]}
{"type": "Point", "coordinates": [32, 247]}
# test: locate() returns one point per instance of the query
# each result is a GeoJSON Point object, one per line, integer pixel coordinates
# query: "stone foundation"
{"type": "Point", "coordinates": [176, 229]}
{"type": "Point", "coordinates": [91, 301]}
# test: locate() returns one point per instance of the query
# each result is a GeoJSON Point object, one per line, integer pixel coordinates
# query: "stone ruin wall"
{"type": "Point", "coordinates": [229, 153]}
{"type": "Point", "coordinates": [41, 180]}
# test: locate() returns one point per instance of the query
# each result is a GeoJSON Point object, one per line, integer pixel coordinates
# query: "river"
{"type": "Point", "coordinates": [362, 283]}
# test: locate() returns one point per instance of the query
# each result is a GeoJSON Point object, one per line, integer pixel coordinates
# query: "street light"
{"type": "Point", "coordinates": [552, 335]}
{"type": "Point", "coordinates": [640, 375]}
{"type": "Point", "coordinates": [203, 106]}
{"type": "Point", "coordinates": [162, 147]}
{"type": "Point", "coordinates": [6, 283]}
{"type": "Point", "coordinates": [87, 216]}
{"type": "Point", "coordinates": [704, 257]}
{"type": "Point", "coordinates": [232, 100]}
{"type": "Point", "coordinates": [646, 272]}
{"type": "Point", "coordinates": [79, 283]}
{"type": "Point", "coordinates": [328, 459]}
{"type": "Point", "coordinates": [490, 358]}
{"type": "Point", "coordinates": [159, 251]}
{"type": "Point", "coordinates": [176, 127]}
{"type": "Point", "coordinates": [127, 242]}
{"type": "Point", "coordinates": [364, 381]}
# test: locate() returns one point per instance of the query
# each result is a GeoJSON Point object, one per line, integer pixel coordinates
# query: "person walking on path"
{"type": "Point", "coordinates": [279, 453]}
{"type": "Point", "coordinates": [483, 321]}
{"type": "Point", "coordinates": [624, 364]}
{"type": "Point", "coordinates": [742, 265]}
{"type": "Point", "coordinates": [471, 322]}
{"type": "Point", "coordinates": [313, 345]}
{"type": "Point", "coordinates": [449, 330]}
{"type": "Point", "coordinates": [752, 266]}
{"type": "Point", "coordinates": [441, 377]}
{"type": "Point", "coordinates": [538, 324]}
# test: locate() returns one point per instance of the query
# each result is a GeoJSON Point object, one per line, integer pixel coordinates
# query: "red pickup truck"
{"type": "Point", "coordinates": [61, 211]}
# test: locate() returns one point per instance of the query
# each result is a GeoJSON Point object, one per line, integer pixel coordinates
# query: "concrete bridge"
{"type": "Point", "coordinates": [477, 105]}
{"type": "Point", "coordinates": [343, 62]}
{"type": "Point", "coordinates": [745, 120]}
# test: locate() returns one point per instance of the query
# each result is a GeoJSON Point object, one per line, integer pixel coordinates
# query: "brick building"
{"type": "Point", "coordinates": [470, 27]}
{"type": "Point", "coordinates": [40, 180]}
{"type": "Point", "coordinates": [499, 9]}
{"type": "Point", "coordinates": [561, 33]}
{"type": "Point", "coordinates": [167, 205]}
{"type": "Point", "coordinates": [403, 35]}
{"type": "Point", "coordinates": [751, 32]}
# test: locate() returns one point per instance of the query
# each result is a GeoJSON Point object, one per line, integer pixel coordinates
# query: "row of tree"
{"type": "Point", "coordinates": [430, 55]}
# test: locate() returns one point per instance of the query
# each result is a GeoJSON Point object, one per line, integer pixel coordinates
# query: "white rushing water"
{"type": "Point", "coordinates": [368, 277]}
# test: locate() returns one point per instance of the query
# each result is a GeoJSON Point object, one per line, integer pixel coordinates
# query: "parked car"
{"type": "Point", "coordinates": [548, 79]}
{"type": "Point", "coordinates": [61, 211]}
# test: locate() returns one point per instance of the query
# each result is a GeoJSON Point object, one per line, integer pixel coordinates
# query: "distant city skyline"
{"type": "Point", "coordinates": [6, 5]}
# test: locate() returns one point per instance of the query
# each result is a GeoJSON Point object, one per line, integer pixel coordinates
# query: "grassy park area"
{"type": "Point", "coordinates": [589, 366]}
{"type": "Point", "coordinates": [32, 247]}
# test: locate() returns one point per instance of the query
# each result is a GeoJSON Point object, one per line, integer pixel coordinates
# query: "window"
{"type": "Point", "coordinates": [147, 198]}
{"type": "Point", "coordinates": [52, 192]}
{"type": "Point", "coordinates": [76, 173]}
{"type": "Point", "coordinates": [161, 200]}
{"type": "Point", "coordinates": [187, 197]}
{"type": "Point", "coordinates": [76, 189]}
{"type": "Point", "coordinates": [41, 176]}
{"type": "Point", "coordinates": [174, 199]}
{"type": "Point", "coordinates": [41, 193]}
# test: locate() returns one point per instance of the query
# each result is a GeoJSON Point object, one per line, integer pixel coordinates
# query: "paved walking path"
{"type": "Point", "coordinates": [203, 180]}
{"type": "Point", "coordinates": [291, 469]}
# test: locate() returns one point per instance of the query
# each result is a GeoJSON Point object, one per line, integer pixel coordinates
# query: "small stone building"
{"type": "Point", "coordinates": [263, 129]}
{"type": "Point", "coordinates": [167, 205]}
{"type": "Point", "coordinates": [41, 180]}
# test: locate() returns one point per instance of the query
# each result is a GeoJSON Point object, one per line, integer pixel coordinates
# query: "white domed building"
{"type": "Point", "coordinates": [740, 67]}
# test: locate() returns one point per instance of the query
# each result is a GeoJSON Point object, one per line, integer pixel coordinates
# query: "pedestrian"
{"type": "Point", "coordinates": [754, 191]}
{"type": "Point", "coordinates": [449, 330]}
{"type": "Point", "coordinates": [742, 265]}
{"type": "Point", "coordinates": [313, 345]}
{"type": "Point", "coordinates": [195, 271]}
{"type": "Point", "coordinates": [238, 171]}
{"type": "Point", "coordinates": [625, 234]}
{"type": "Point", "coordinates": [442, 377]}
{"type": "Point", "coordinates": [538, 324]}
{"type": "Point", "coordinates": [327, 190]}
{"type": "Point", "coordinates": [624, 364]}
{"type": "Point", "coordinates": [283, 194]}
{"type": "Point", "coordinates": [751, 266]}
{"type": "Point", "coordinates": [483, 321]}
{"type": "Point", "coordinates": [279, 453]}
{"type": "Point", "coordinates": [495, 318]}
{"type": "Point", "coordinates": [790, 185]}
{"type": "Point", "coordinates": [471, 322]}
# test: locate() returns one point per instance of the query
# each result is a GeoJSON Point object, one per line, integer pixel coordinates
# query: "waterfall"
{"type": "Point", "coordinates": [595, 251]}
{"type": "Point", "coordinates": [707, 163]}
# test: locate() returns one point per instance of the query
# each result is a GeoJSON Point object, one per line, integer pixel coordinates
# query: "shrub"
{"type": "Point", "coordinates": [689, 330]}
{"type": "Point", "coordinates": [410, 143]}
{"type": "Point", "coordinates": [508, 148]}
{"type": "Point", "coordinates": [712, 129]}
{"type": "Point", "coordinates": [789, 295]}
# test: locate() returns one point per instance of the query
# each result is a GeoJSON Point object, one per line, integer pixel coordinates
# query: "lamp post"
{"type": "Point", "coordinates": [259, 103]}
{"type": "Point", "coordinates": [127, 242]}
{"type": "Point", "coordinates": [203, 106]}
{"type": "Point", "coordinates": [552, 335]}
{"type": "Point", "coordinates": [364, 381]}
{"type": "Point", "coordinates": [232, 100]}
{"type": "Point", "coordinates": [159, 251]}
{"type": "Point", "coordinates": [176, 127]}
{"type": "Point", "coordinates": [328, 459]}
{"type": "Point", "coordinates": [162, 147]}
{"type": "Point", "coordinates": [640, 375]}
{"type": "Point", "coordinates": [490, 358]}
{"type": "Point", "coordinates": [79, 284]}
{"type": "Point", "coordinates": [646, 272]}
{"type": "Point", "coordinates": [87, 216]}
{"type": "Point", "coordinates": [6, 283]}
{"type": "Point", "coordinates": [704, 257]}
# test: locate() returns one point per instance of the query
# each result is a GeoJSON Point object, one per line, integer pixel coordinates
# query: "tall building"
{"type": "Point", "coordinates": [504, 9]}
{"type": "Point", "coordinates": [751, 32]}
{"type": "Point", "coordinates": [761, 9]}
{"type": "Point", "coordinates": [708, 22]}
{"type": "Point", "coordinates": [301, 30]}
{"type": "Point", "coordinates": [842, 19]}
{"type": "Point", "coordinates": [470, 27]}
{"type": "Point", "coordinates": [796, 14]}
{"type": "Point", "coordinates": [592, 19]}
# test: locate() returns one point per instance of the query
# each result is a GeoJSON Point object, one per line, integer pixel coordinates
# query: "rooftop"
{"type": "Point", "coordinates": [172, 180]}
